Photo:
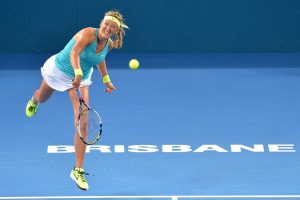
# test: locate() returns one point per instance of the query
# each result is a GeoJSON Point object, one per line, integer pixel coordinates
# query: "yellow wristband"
{"type": "Point", "coordinates": [106, 79]}
{"type": "Point", "coordinates": [78, 72]}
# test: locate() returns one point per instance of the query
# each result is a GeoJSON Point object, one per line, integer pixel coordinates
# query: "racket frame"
{"type": "Point", "coordinates": [81, 103]}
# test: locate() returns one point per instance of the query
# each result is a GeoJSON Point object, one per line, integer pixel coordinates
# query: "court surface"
{"type": "Point", "coordinates": [227, 131]}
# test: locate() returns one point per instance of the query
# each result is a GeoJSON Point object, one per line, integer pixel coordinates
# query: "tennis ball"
{"type": "Point", "coordinates": [134, 64]}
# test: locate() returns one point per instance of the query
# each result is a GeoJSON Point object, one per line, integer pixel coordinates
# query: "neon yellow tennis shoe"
{"type": "Point", "coordinates": [77, 175]}
{"type": "Point", "coordinates": [31, 108]}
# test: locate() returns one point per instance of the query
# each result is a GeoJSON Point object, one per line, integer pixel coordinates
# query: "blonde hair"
{"type": "Point", "coordinates": [118, 41]}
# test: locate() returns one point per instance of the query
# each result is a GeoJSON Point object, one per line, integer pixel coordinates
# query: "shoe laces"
{"type": "Point", "coordinates": [81, 175]}
{"type": "Point", "coordinates": [32, 108]}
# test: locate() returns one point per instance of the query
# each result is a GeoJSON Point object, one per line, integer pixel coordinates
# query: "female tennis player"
{"type": "Point", "coordinates": [72, 68]}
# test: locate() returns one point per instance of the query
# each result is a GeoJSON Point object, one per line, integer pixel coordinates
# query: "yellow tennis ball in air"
{"type": "Point", "coordinates": [134, 64]}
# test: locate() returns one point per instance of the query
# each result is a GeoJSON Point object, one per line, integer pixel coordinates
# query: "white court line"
{"type": "Point", "coordinates": [155, 197]}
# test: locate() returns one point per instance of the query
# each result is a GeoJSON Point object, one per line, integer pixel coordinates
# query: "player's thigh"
{"type": "Point", "coordinates": [75, 100]}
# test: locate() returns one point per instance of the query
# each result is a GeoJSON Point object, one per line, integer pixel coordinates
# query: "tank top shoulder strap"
{"type": "Point", "coordinates": [96, 33]}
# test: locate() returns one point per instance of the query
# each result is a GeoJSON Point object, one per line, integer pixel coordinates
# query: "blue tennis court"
{"type": "Point", "coordinates": [216, 131]}
{"type": "Point", "coordinates": [213, 111]}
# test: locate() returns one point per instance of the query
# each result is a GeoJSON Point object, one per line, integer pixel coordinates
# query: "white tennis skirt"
{"type": "Point", "coordinates": [56, 79]}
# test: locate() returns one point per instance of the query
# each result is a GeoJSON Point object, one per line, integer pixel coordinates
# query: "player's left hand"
{"type": "Point", "coordinates": [110, 87]}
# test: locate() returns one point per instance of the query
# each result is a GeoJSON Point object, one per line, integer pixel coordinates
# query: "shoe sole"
{"type": "Point", "coordinates": [74, 179]}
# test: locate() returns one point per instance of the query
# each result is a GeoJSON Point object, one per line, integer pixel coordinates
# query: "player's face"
{"type": "Point", "coordinates": [108, 28]}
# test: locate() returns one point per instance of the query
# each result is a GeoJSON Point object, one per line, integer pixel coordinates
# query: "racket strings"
{"type": "Point", "coordinates": [90, 126]}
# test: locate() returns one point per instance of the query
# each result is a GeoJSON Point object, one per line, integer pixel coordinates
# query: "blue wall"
{"type": "Point", "coordinates": [41, 26]}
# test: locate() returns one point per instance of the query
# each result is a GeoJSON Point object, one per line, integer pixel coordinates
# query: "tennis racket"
{"type": "Point", "coordinates": [89, 126]}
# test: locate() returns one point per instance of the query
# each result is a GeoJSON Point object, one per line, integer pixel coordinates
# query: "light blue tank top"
{"type": "Point", "coordinates": [88, 58]}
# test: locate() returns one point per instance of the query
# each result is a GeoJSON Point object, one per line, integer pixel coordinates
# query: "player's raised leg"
{"type": "Point", "coordinates": [40, 96]}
